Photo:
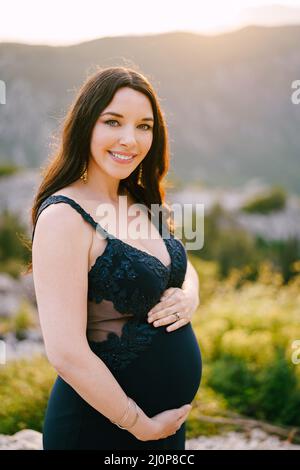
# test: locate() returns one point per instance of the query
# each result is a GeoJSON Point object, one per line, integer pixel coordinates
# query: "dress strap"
{"type": "Point", "coordinates": [56, 198]}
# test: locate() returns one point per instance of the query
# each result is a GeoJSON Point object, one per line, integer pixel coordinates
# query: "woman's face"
{"type": "Point", "coordinates": [130, 135]}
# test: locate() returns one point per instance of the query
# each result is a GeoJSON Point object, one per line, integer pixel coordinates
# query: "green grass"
{"type": "Point", "coordinates": [246, 331]}
{"type": "Point", "coordinates": [24, 391]}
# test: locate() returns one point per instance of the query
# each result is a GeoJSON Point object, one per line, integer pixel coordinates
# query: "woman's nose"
{"type": "Point", "coordinates": [128, 137]}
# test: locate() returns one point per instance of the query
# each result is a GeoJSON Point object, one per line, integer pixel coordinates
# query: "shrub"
{"type": "Point", "coordinates": [271, 393]}
{"type": "Point", "coordinates": [228, 244]}
{"type": "Point", "coordinates": [8, 169]}
{"type": "Point", "coordinates": [23, 320]}
{"type": "Point", "coordinates": [13, 252]}
{"type": "Point", "coordinates": [246, 331]}
{"type": "Point", "coordinates": [231, 377]}
{"type": "Point", "coordinates": [268, 201]}
{"type": "Point", "coordinates": [24, 390]}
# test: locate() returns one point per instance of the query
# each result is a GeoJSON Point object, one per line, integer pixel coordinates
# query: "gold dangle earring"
{"type": "Point", "coordinates": [140, 175]}
{"type": "Point", "coordinates": [83, 177]}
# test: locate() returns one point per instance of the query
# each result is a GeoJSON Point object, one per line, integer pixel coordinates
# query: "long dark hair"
{"type": "Point", "coordinates": [70, 160]}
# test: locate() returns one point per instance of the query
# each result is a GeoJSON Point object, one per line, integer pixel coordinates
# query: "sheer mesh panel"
{"type": "Point", "coordinates": [103, 319]}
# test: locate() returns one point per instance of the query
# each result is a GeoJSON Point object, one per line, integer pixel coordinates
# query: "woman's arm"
{"type": "Point", "coordinates": [60, 265]}
{"type": "Point", "coordinates": [191, 283]}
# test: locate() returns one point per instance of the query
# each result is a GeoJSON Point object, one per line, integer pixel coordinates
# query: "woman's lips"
{"type": "Point", "coordinates": [119, 160]}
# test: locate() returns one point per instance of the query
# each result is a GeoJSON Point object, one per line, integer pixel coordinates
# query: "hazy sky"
{"type": "Point", "coordinates": [56, 22]}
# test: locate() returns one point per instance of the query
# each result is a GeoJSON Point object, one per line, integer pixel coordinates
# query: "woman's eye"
{"type": "Point", "coordinates": [148, 127]}
{"type": "Point", "coordinates": [113, 120]}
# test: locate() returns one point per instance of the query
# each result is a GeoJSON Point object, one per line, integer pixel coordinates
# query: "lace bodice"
{"type": "Point", "coordinates": [123, 285]}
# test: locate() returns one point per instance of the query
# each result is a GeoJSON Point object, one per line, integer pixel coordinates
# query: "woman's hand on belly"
{"type": "Point", "coordinates": [174, 300]}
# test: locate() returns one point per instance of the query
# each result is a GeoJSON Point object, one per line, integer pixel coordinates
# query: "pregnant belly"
{"type": "Point", "coordinates": [168, 374]}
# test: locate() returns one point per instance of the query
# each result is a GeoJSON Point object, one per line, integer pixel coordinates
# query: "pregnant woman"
{"type": "Point", "coordinates": [115, 310]}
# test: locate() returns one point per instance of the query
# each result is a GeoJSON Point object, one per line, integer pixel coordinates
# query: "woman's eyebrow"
{"type": "Point", "coordinates": [112, 113]}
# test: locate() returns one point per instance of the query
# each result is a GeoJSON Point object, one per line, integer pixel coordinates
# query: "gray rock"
{"type": "Point", "coordinates": [34, 335]}
{"type": "Point", "coordinates": [23, 349]}
{"type": "Point", "coordinates": [27, 439]}
{"type": "Point", "coordinates": [10, 295]}
{"type": "Point", "coordinates": [27, 288]}
{"type": "Point", "coordinates": [17, 192]}
{"type": "Point", "coordinates": [256, 440]}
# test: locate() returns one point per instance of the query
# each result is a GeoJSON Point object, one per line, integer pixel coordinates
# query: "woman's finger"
{"type": "Point", "coordinates": [159, 317]}
{"type": "Point", "coordinates": [177, 324]}
{"type": "Point", "coordinates": [161, 305]}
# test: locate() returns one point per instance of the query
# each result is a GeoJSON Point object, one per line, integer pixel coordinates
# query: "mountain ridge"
{"type": "Point", "coordinates": [226, 99]}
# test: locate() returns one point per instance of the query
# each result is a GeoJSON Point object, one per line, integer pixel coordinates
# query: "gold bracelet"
{"type": "Point", "coordinates": [136, 416]}
{"type": "Point", "coordinates": [126, 413]}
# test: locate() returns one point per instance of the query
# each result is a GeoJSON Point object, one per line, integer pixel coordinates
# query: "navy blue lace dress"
{"type": "Point", "coordinates": [160, 370]}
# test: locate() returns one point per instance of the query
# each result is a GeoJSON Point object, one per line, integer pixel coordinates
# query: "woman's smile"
{"type": "Point", "coordinates": [120, 158]}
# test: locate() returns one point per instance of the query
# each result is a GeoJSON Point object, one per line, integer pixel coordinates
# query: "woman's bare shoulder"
{"type": "Point", "coordinates": [79, 195]}
{"type": "Point", "coordinates": [62, 218]}
{"type": "Point", "coordinates": [60, 221]}
{"type": "Point", "coordinates": [70, 191]}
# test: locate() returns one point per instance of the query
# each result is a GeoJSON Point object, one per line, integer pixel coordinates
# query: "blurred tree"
{"type": "Point", "coordinates": [269, 201]}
